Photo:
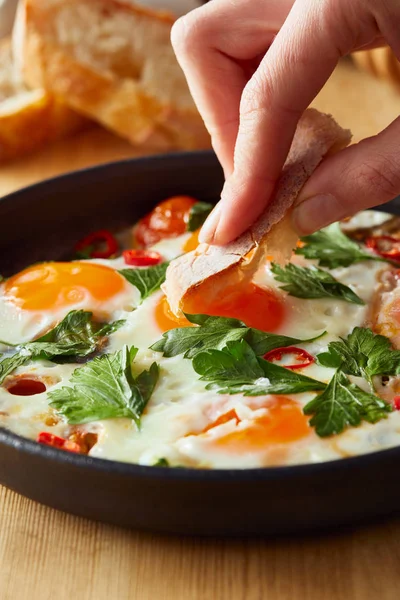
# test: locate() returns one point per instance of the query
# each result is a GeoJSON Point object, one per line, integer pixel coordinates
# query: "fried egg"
{"type": "Point", "coordinates": [36, 299]}
{"type": "Point", "coordinates": [184, 423]}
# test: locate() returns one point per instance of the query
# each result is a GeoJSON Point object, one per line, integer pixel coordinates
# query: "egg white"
{"type": "Point", "coordinates": [180, 407]}
{"type": "Point", "coordinates": [18, 325]}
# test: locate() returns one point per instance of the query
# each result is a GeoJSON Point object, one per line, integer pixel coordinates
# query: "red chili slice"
{"type": "Point", "coordinates": [385, 245]}
{"type": "Point", "coordinates": [100, 244]}
{"type": "Point", "coordinates": [49, 439]}
{"type": "Point", "coordinates": [396, 402]}
{"type": "Point", "coordinates": [304, 358]}
{"type": "Point", "coordinates": [141, 258]}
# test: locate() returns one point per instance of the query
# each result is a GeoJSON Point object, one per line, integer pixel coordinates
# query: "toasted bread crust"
{"type": "Point", "coordinates": [138, 91]}
{"type": "Point", "coordinates": [316, 135]}
{"type": "Point", "coordinates": [29, 119]}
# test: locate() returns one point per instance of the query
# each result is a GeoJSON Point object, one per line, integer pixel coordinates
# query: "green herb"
{"type": "Point", "coordinates": [304, 282]}
{"type": "Point", "coordinates": [198, 214]}
{"type": "Point", "coordinates": [147, 280]}
{"type": "Point", "coordinates": [213, 333]}
{"type": "Point", "coordinates": [332, 248]}
{"type": "Point", "coordinates": [77, 336]}
{"type": "Point", "coordinates": [109, 328]}
{"type": "Point", "coordinates": [105, 388]}
{"type": "Point", "coordinates": [9, 364]}
{"type": "Point", "coordinates": [162, 462]}
{"type": "Point", "coordinates": [362, 354]}
{"type": "Point", "coordinates": [237, 369]}
{"type": "Point", "coordinates": [344, 404]}
{"type": "Point", "coordinates": [83, 254]}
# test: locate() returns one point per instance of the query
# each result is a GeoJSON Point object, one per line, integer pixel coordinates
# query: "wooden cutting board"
{"type": "Point", "coordinates": [47, 555]}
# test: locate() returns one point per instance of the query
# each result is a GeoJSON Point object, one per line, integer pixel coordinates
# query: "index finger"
{"type": "Point", "coordinates": [300, 60]}
{"type": "Point", "coordinates": [214, 44]}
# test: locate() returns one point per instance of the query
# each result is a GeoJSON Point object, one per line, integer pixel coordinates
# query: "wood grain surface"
{"type": "Point", "coordinates": [48, 555]}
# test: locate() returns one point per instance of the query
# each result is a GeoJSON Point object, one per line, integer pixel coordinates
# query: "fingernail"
{"type": "Point", "coordinates": [316, 212]}
{"type": "Point", "coordinates": [207, 232]}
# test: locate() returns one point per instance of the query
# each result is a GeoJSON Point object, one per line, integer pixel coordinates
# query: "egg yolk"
{"type": "Point", "coordinates": [256, 306]}
{"type": "Point", "coordinates": [168, 219]}
{"type": "Point", "coordinates": [192, 242]}
{"type": "Point", "coordinates": [54, 285]}
{"type": "Point", "coordinates": [284, 423]}
{"type": "Point", "coordinates": [165, 318]}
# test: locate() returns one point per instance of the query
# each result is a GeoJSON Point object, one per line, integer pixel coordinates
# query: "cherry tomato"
{"type": "Point", "coordinates": [141, 258]}
{"type": "Point", "coordinates": [168, 219]}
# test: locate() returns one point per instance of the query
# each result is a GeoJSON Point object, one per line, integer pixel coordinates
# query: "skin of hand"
{"type": "Point", "coordinates": [253, 67]}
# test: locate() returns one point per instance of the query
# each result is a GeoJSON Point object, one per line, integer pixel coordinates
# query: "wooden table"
{"type": "Point", "coordinates": [47, 555]}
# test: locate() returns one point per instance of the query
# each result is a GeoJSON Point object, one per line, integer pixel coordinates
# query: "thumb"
{"type": "Point", "coordinates": [361, 176]}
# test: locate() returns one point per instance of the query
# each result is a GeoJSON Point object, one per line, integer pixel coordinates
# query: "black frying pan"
{"type": "Point", "coordinates": [43, 222]}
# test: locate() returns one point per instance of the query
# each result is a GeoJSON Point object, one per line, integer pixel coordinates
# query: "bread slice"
{"type": "Point", "coordinates": [28, 118]}
{"type": "Point", "coordinates": [112, 61]}
{"type": "Point", "coordinates": [209, 269]}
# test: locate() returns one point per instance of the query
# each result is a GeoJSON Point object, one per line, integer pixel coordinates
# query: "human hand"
{"type": "Point", "coordinates": [253, 67]}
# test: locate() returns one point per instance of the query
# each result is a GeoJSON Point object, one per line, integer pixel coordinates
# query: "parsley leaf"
{"type": "Point", "coordinates": [105, 388]}
{"type": "Point", "coordinates": [332, 248]}
{"type": "Point", "coordinates": [162, 462]}
{"type": "Point", "coordinates": [147, 280]}
{"type": "Point", "coordinates": [10, 363]}
{"type": "Point", "coordinates": [109, 328]}
{"type": "Point", "coordinates": [304, 282]}
{"type": "Point", "coordinates": [77, 336]}
{"type": "Point", "coordinates": [214, 333]}
{"type": "Point", "coordinates": [342, 404]}
{"type": "Point", "coordinates": [362, 354]}
{"type": "Point", "coordinates": [198, 214]}
{"type": "Point", "coordinates": [236, 369]}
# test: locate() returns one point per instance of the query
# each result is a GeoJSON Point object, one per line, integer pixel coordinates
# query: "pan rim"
{"type": "Point", "coordinates": [108, 466]}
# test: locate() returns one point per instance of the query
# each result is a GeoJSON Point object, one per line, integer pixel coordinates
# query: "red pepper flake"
{"type": "Point", "coordinates": [141, 258]}
{"type": "Point", "coordinates": [385, 245]}
{"type": "Point", "coordinates": [304, 358]}
{"type": "Point", "coordinates": [100, 244]}
{"type": "Point", "coordinates": [49, 439]}
{"type": "Point", "coordinates": [396, 402]}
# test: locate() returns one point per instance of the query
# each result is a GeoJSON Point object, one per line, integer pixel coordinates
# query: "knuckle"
{"type": "Point", "coordinates": [186, 34]}
{"type": "Point", "coordinates": [380, 176]}
{"type": "Point", "coordinates": [255, 98]}
{"type": "Point", "coordinates": [260, 99]}
{"type": "Point", "coordinates": [179, 34]}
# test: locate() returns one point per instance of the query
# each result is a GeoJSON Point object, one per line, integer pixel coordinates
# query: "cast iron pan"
{"type": "Point", "coordinates": [43, 222]}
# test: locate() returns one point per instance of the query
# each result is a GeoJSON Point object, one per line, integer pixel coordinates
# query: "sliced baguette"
{"type": "Point", "coordinates": [28, 118]}
{"type": "Point", "coordinates": [112, 61]}
{"type": "Point", "coordinates": [210, 269]}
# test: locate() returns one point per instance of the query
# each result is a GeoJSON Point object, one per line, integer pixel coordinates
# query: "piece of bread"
{"type": "Point", "coordinates": [209, 269]}
{"type": "Point", "coordinates": [28, 118]}
{"type": "Point", "coordinates": [114, 62]}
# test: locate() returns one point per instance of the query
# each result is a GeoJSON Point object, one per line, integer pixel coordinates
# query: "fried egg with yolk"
{"type": "Point", "coordinates": [37, 298]}
{"type": "Point", "coordinates": [184, 422]}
